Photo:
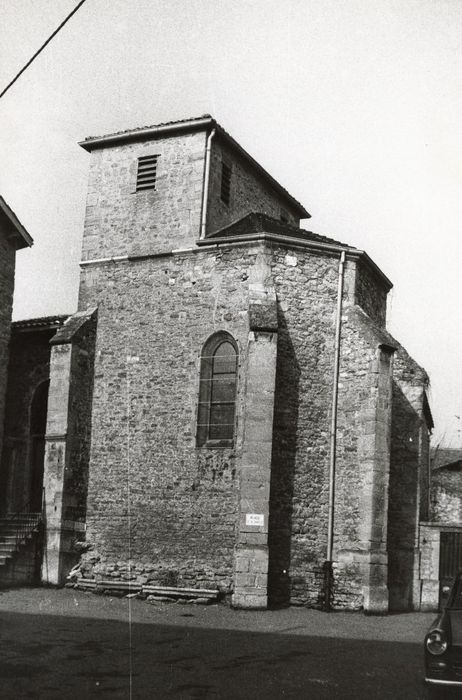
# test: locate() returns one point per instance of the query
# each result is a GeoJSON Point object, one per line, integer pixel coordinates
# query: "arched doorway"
{"type": "Point", "coordinates": [38, 422]}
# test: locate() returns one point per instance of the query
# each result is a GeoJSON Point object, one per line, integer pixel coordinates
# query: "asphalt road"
{"type": "Point", "coordinates": [64, 644]}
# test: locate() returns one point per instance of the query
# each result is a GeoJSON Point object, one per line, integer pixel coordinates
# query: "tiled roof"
{"type": "Point", "coordinates": [42, 323]}
{"type": "Point", "coordinates": [150, 126]}
{"type": "Point", "coordinates": [447, 457]}
{"type": "Point", "coordinates": [257, 222]}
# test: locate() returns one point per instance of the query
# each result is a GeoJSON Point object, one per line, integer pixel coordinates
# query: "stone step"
{"type": "Point", "coordinates": [12, 536]}
{"type": "Point", "coordinates": [10, 530]}
{"type": "Point", "coordinates": [176, 592]}
{"type": "Point", "coordinates": [12, 552]}
{"type": "Point", "coordinates": [161, 592]}
{"type": "Point", "coordinates": [13, 543]}
{"type": "Point", "coordinates": [7, 546]}
{"type": "Point", "coordinates": [22, 520]}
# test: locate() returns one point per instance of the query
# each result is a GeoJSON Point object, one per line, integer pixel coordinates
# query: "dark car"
{"type": "Point", "coordinates": [443, 646]}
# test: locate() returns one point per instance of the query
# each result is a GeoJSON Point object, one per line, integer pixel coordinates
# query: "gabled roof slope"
{"type": "Point", "coordinates": [13, 228]}
{"type": "Point", "coordinates": [447, 457]}
{"type": "Point", "coordinates": [257, 222]}
{"type": "Point", "coordinates": [256, 225]}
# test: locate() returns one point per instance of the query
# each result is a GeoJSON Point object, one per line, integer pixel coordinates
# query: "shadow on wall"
{"type": "Point", "coordinates": [403, 515]}
{"type": "Point", "coordinates": [285, 426]}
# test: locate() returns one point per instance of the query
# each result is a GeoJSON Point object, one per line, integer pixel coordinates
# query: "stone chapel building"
{"type": "Point", "coordinates": [13, 237]}
{"type": "Point", "coordinates": [226, 409]}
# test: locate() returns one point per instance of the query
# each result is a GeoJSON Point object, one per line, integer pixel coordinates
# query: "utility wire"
{"type": "Point", "coordinates": [42, 47]}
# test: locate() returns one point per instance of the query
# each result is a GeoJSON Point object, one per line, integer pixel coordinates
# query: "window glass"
{"type": "Point", "coordinates": [225, 191]}
{"type": "Point", "coordinates": [456, 601]}
{"type": "Point", "coordinates": [217, 393]}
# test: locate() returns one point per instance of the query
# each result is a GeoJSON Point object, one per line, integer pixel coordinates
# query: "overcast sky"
{"type": "Point", "coordinates": [355, 106]}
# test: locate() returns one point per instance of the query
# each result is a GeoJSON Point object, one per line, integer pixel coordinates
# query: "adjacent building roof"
{"type": "Point", "coordinates": [204, 123]}
{"type": "Point", "coordinates": [70, 328]}
{"type": "Point", "coordinates": [14, 229]}
{"type": "Point", "coordinates": [447, 458]}
{"type": "Point", "coordinates": [44, 323]}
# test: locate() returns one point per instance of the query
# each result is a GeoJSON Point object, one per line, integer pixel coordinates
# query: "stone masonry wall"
{"type": "Point", "coordinates": [79, 426]}
{"type": "Point", "coordinates": [306, 287]}
{"type": "Point", "coordinates": [409, 450]}
{"type": "Point", "coordinates": [248, 193]}
{"type": "Point", "coordinates": [7, 264]}
{"type": "Point", "coordinates": [307, 293]}
{"type": "Point", "coordinates": [121, 221]}
{"type": "Point", "coordinates": [68, 432]}
{"type": "Point", "coordinates": [429, 545]}
{"type": "Point", "coordinates": [159, 509]}
{"type": "Point", "coordinates": [154, 498]}
{"type": "Point", "coordinates": [362, 457]}
{"type": "Point", "coordinates": [446, 495]}
{"type": "Point", "coordinates": [362, 462]}
{"type": "Point", "coordinates": [371, 295]}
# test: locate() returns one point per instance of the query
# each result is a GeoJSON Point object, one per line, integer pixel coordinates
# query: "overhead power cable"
{"type": "Point", "coordinates": [42, 47]}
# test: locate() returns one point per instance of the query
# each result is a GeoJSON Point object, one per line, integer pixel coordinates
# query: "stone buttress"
{"type": "Point", "coordinates": [251, 554]}
{"type": "Point", "coordinates": [67, 443]}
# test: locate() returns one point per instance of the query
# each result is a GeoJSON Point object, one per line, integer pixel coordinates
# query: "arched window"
{"type": "Point", "coordinates": [217, 391]}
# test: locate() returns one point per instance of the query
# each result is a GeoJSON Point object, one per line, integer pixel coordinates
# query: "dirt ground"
{"type": "Point", "coordinates": [70, 644]}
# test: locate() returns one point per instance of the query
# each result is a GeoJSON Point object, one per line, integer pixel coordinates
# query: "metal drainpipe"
{"type": "Point", "coordinates": [208, 150]}
{"type": "Point", "coordinates": [328, 573]}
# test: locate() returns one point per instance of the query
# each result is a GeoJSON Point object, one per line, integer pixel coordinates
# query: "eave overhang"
{"type": "Point", "coordinates": [44, 323]}
{"type": "Point", "coordinates": [292, 241]}
{"type": "Point", "coordinates": [15, 231]}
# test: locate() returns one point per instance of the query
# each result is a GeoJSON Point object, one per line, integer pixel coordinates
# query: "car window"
{"type": "Point", "coordinates": [455, 600]}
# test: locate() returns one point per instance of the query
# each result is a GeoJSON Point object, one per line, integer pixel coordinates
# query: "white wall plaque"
{"type": "Point", "coordinates": [255, 519]}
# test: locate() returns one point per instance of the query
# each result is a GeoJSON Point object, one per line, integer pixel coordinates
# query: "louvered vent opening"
{"type": "Point", "coordinates": [225, 182]}
{"type": "Point", "coordinates": [147, 173]}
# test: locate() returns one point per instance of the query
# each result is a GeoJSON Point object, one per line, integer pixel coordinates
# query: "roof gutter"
{"type": "Point", "coordinates": [150, 132]}
{"type": "Point", "coordinates": [328, 570]}
{"type": "Point", "coordinates": [277, 238]}
{"type": "Point", "coordinates": [205, 190]}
